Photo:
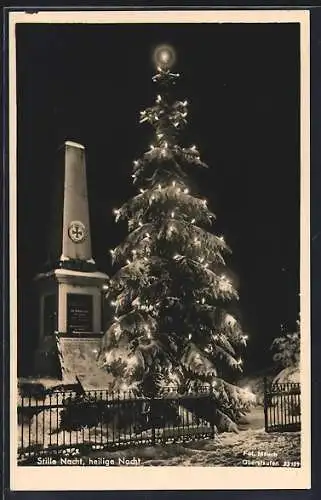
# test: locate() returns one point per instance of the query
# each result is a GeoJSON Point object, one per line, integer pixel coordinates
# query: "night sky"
{"type": "Point", "coordinates": [87, 83]}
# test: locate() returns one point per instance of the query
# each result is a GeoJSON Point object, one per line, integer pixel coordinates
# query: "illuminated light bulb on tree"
{"type": "Point", "coordinates": [113, 303]}
{"type": "Point", "coordinates": [221, 238]}
{"type": "Point", "coordinates": [152, 147]}
{"type": "Point", "coordinates": [193, 221]}
{"type": "Point", "coordinates": [186, 191]}
{"type": "Point", "coordinates": [165, 145]}
{"type": "Point", "coordinates": [173, 183]}
{"type": "Point", "coordinates": [203, 300]}
{"type": "Point", "coordinates": [142, 191]}
{"type": "Point", "coordinates": [136, 163]}
{"type": "Point", "coordinates": [193, 148]}
{"type": "Point", "coordinates": [116, 211]}
{"type": "Point", "coordinates": [173, 215]}
{"type": "Point", "coordinates": [159, 98]}
{"type": "Point", "coordinates": [185, 103]}
{"type": "Point", "coordinates": [147, 235]}
{"type": "Point", "coordinates": [112, 251]}
{"type": "Point", "coordinates": [128, 261]}
{"type": "Point", "coordinates": [189, 336]}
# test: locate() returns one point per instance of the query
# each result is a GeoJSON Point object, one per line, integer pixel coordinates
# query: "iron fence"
{"type": "Point", "coordinates": [57, 420]}
{"type": "Point", "coordinates": [282, 406]}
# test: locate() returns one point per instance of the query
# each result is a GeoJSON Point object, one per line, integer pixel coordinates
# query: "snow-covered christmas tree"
{"type": "Point", "coordinates": [172, 294]}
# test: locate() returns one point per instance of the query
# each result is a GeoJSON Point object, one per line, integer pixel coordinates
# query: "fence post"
{"type": "Point", "coordinates": [212, 401]}
{"type": "Point", "coordinates": [152, 420]}
{"type": "Point", "coordinates": [266, 423]}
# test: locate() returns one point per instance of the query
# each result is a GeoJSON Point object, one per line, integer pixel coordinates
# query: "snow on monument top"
{"type": "Point", "coordinates": [74, 144]}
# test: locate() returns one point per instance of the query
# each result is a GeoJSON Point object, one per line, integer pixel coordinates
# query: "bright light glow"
{"type": "Point", "coordinates": [174, 183]}
{"type": "Point", "coordinates": [203, 300]}
{"type": "Point", "coordinates": [193, 148]}
{"type": "Point", "coordinates": [186, 191]}
{"type": "Point", "coordinates": [147, 235]}
{"type": "Point", "coordinates": [142, 191]}
{"type": "Point", "coordinates": [189, 336]}
{"type": "Point", "coordinates": [185, 103]}
{"type": "Point", "coordinates": [193, 221]}
{"type": "Point", "coordinates": [173, 215]}
{"type": "Point", "coordinates": [165, 145]}
{"type": "Point", "coordinates": [164, 57]}
{"type": "Point", "coordinates": [159, 98]}
{"type": "Point", "coordinates": [128, 261]}
{"type": "Point", "coordinates": [221, 238]}
{"type": "Point", "coordinates": [116, 211]}
{"type": "Point", "coordinates": [105, 287]}
{"type": "Point", "coordinates": [152, 147]}
{"type": "Point", "coordinates": [140, 224]}
{"type": "Point", "coordinates": [113, 303]}
{"type": "Point", "coordinates": [136, 162]}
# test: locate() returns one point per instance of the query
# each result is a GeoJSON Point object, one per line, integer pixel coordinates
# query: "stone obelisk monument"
{"type": "Point", "coordinates": [71, 288]}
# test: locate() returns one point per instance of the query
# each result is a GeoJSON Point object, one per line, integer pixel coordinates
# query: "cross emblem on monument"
{"type": "Point", "coordinates": [77, 231]}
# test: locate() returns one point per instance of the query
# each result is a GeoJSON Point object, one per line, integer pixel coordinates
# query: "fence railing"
{"type": "Point", "coordinates": [56, 420]}
{"type": "Point", "coordinates": [282, 406]}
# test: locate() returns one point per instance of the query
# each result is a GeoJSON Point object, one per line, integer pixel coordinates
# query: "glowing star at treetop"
{"type": "Point", "coordinates": [164, 56]}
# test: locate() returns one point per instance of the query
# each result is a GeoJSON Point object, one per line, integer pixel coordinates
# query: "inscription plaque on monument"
{"type": "Point", "coordinates": [79, 313]}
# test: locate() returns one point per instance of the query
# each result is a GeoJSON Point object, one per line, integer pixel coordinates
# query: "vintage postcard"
{"type": "Point", "coordinates": [159, 249]}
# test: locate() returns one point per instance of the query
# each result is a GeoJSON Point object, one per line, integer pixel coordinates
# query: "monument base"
{"type": "Point", "coordinates": [70, 358]}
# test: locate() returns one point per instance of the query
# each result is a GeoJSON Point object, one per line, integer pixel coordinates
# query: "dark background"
{"type": "Point", "coordinates": [88, 83]}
